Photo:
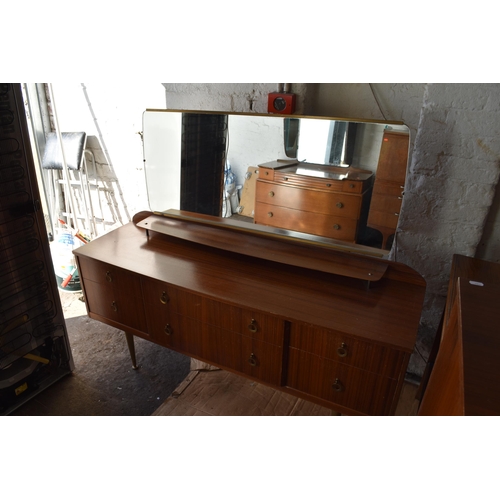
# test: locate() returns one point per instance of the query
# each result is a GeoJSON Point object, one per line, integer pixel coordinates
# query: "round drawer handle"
{"type": "Point", "coordinates": [168, 329]}
{"type": "Point", "coordinates": [252, 360]}
{"type": "Point", "coordinates": [164, 299]}
{"type": "Point", "coordinates": [336, 226]}
{"type": "Point", "coordinates": [114, 306]}
{"type": "Point", "coordinates": [270, 214]}
{"type": "Point", "coordinates": [108, 276]}
{"type": "Point", "coordinates": [253, 326]}
{"type": "Point", "coordinates": [340, 204]}
{"type": "Point", "coordinates": [342, 350]}
{"type": "Point", "coordinates": [271, 193]}
{"type": "Point", "coordinates": [352, 186]}
{"type": "Point", "coordinates": [328, 185]}
{"type": "Point", "coordinates": [337, 386]}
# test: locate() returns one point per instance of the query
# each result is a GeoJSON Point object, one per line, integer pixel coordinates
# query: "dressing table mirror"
{"type": "Point", "coordinates": [318, 178]}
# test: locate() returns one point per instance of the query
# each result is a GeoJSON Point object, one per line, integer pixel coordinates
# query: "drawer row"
{"type": "Point", "coordinates": [329, 226]}
{"type": "Point", "coordinates": [321, 362]}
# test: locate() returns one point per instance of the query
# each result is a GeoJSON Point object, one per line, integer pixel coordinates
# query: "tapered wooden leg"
{"type": "Point", "coordinates": [131, 348]}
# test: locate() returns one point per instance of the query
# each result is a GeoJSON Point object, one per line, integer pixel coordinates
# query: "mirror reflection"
{"type": "Point", "coordinates": [325, 177]}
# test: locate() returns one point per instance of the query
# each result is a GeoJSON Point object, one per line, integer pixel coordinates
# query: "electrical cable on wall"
{"type": "Point", "coordinates": [377, 101]}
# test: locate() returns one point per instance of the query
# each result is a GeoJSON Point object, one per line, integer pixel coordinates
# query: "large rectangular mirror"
{"type": "Point", "coordinates": [323, 177]}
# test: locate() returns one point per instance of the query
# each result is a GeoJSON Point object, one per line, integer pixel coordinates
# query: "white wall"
{"type": "Point", "coordinates": [112, 113]}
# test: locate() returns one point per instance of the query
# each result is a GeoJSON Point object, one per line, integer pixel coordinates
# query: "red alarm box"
{"type": "Point", "coordinates": [281, 103]}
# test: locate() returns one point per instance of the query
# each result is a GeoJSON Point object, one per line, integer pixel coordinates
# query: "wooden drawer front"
{"type": "Point", "coordinates": [343, 205]}
{"type": "Point", "coordinates": [100, 272]}
{"type": "Point", "coordinates": [179, 333]}
{"type": "Point", "coordinates": [384, 219]}
{"type": "Point", "coordinates": [331, 185]}
{"type": "Point", "coordinates": [331, 226]}
{"type": "Point", "coordinates": [341, 384]}
{"type": "Point", "coordinates": [266, 173]}
{"type": "Point", "coordinates": [256, 325]}
{"type": "Point", "coordinates": [159, 297]}
{"type": "Point", "coordinates": [163, 299]}
{"type": "Point", "coordinates": [122, 305]}
{"type": "Point", "coordinates": [218, 346]}
{"type": "Point", "coordinates": [244, 354]}
{"type": "Point", "coordinates": [341, 348]}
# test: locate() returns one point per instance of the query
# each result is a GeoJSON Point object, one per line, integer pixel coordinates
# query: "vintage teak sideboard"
{"type": "Point", "coordinates": [314, 319]}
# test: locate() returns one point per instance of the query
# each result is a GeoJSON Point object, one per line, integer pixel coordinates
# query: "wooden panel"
{"type": "Point", "coordinates": [342, 348]}
{"type": "Point", "coordinates": [362, 391]}
{"type": "Point", "coordinates": [331, 185]}
{"type": "Point", "coordinates": [247, 199]}
{"type": "Point", "coordinates": [330, 226]}
{"type": "Point", "coordinates": [383, 219]}
{"type": "Point", "coordinates": [309, 200]}
{"type": "Point", "coordinates": [248, 323]}
{"type": "Point", "coordinates": [266, 173]}
{"type": "Point", "coordinates": [391, 307]}
{"type": "Point", "coordinates": [391, 205]}
{"type": "Point", "coordinates": [122, 306]}
{"type": "Point", "coordinates": [445, 391]}
{"type": "Point", "coordinates": [278, 245]}
{"type": "Point", "coordinates": [388, 188]}
{"type": "Point", "coordinates": [393, 160]}
{"type": "Point", "coordinates": [248, 356]}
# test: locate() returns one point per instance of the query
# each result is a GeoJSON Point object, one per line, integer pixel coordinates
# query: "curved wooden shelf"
{"type": "Point", "coordinates": [272, 244]}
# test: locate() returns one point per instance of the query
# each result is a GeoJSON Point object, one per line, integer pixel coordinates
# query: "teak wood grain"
{"type": "Point", "coordinates": [263, 318]}
{"type": "Point", "coordinates": [466, 376]}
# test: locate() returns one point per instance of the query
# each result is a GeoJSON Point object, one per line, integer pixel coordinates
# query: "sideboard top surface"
{"type": "Point", "coordinates": [387, 312]}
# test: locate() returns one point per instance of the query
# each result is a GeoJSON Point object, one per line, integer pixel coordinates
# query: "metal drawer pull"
{"type": "Point", "coordinates": [168, 329]}
{"type": "Point", "coordinates": [337, 386]}
{"type": "Point", "coordinates": [252, 360]}
{"type": "Point", "coordinates": [108, 276]}
{"type": "Point", "coordinates": [336, 226]}
{"type": "Point", "coordinates": [328, 185]}
{"type": "Point", "coordinates": [269, 214]}
{"type": "Point", "coordinates": [342, 350]}
{"type": "Point", "coordinates": [164, 298]}
{"type": "Point", "coordinates": [271, 193]}
{"type": "Point", "coordinates": [340, 204]}
{"type": "Point", "coordinates": [253, 326]}
{"type": "Point", "coordinates": [114, 306]}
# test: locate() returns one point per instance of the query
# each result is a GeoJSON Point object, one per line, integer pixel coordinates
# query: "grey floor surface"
{"type": "Point", "coordinates": [103, 381]}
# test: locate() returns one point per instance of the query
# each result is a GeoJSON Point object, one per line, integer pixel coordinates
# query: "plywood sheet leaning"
{"type": "Point", "coordinates": [247, 198]}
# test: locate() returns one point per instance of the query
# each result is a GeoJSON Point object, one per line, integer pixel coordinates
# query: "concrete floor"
{"type": "Point", "coordinates": [103, 381]}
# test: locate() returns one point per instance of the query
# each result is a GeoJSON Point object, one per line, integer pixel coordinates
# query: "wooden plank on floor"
{"type": "Point", "coordinates": [220, 393]}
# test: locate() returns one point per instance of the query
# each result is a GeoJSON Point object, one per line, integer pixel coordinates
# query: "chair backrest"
{"type": "Point", "coordinates": [74, 146]}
